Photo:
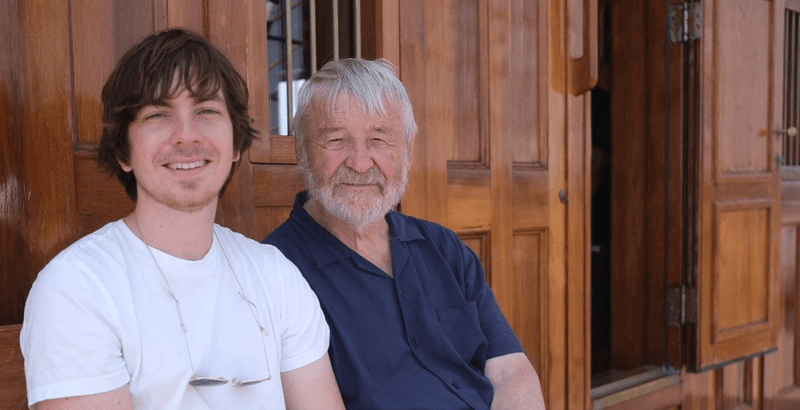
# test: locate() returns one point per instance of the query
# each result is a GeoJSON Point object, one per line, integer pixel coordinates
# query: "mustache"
{"type": "Point", "coordinates": [183, 152]}
{"type": "Point", "coordinates": [346, 175]}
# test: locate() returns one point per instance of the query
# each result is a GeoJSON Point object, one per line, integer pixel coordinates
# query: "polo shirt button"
{"type": "Point", "coordinates": [456, 385]}
{"type": "Point", "coordinates": [415, 342]}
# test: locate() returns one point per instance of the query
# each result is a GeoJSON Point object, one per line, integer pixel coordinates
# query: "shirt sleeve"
{"type": "Point", "coordinates": [495, 326]}
{"type": "Point", "coordinates": [69, 338]}
{"type": "Point", "coordinates": [305, 333]}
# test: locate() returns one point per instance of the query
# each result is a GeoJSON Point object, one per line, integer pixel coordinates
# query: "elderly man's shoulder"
{"type": "Point", "coordinates": [411, 226]}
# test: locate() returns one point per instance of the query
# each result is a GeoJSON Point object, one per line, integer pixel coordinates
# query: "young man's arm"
{"type": "Point", "coordinates": [312, 387]}
{"type": "Point", "coordinates": [516, 385]}
{"type": "Point", "coordinates": [118, 399]}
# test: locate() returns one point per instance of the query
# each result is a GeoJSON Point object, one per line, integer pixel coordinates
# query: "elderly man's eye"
{"type": "Point", "coordinates": [378, 142]}
{"type": "Point", "coordinates": [335, 143]}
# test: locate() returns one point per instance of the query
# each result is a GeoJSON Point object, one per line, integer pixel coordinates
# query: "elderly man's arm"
{"type": "Point", "coordinates": [312, 387]}
{"type": "Point", "coordinates": [516, 385]}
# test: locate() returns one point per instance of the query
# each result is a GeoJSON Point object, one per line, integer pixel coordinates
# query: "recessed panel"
{"type": "Point", "coordinates": [741, 270]}
{"type": "Point", "coordinates": [458, 77]}
{"type": "Point", "coordinates": [478, 241]}
{"type": "Point", "coordinates": [276, 185]}
{"type": "Point", "coordinates": [527, 287]}
{"type": "Point", "coordinates": [100, 198]}
{"type": "Point", "coordinates": [102, 32]}
{"type": "Point", "coordinates": [522, 104]}
{"type": "Point", "coordinates": [269, 218]}
{"type": "Point", "coordinates": [743, 68]}
{"type": "Point", "coordinates": [469, 198]}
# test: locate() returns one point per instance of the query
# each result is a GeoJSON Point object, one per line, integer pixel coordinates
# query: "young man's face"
{"type": "Point", "coordinates": [181, 152]}
{"type": "Point", "coordinates": [358, 162]}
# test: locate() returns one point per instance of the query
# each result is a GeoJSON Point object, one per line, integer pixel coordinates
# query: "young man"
{"type": "Point", "coordinates": [413, 322]}
{"type": "Point", "coordinates": [164, 309]}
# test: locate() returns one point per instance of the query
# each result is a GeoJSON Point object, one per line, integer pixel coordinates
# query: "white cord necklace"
{"type": "Point", "coordinates": [208, 381]}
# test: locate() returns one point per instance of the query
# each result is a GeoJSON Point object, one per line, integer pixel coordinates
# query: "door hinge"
{"type": "Point", "coordinates": [685, 22]}
{"type": "Point", "coordinates": [681, 306]}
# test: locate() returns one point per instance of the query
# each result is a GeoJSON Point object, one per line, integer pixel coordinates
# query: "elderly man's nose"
{"type": "Point", "coordinates": [359, 158]}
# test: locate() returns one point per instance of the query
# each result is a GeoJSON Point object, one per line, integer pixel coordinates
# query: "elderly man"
{"type": "Point", "coordinates": [163, 309]}
{"type": "Point", "coordinates": [413, 323]}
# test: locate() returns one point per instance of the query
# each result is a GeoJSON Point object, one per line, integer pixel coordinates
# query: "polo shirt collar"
{"type": "Point", "coordinates": [329, 249]}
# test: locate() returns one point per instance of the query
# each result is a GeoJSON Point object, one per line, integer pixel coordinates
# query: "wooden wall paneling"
{"type": "Point", "coordinates": [427, 70]}
{"type": "Point", "coordinates": [699, 391]}
{"type": "Point", "coordinates": [15, 278]}
{"type": "Point", "coordinates": [530, 251]}
{"type": "Point", "coordinates": [239, 30]}
{"type": "Point", "coordinates": [48, 132]}
{"type": "Point", "coordinates": [739, 192]}
{"type": "Point", "coordinates": [12, 374]}
{"type": "Point", "coordinates": [664, 158]}
{"type": "Point", "coordinates": [189, 14]}
{"type": "Point", "coordinates": [101, 33]}
{"type": "Point", "coordinates": [552, 55]}
{"type": "Point", "coordinates": [629, 89]}
{"type": "Point", "coordinates": [519, 161]}
{"type": "Point", "coordinates": [578, 272]}
{"type": "Point", "coordinates": [782, 370]}
{"type": "Point", "coordinates": [474, 75]}
{"type": "Point", "coordinates": [387, 29]}
{"type": "Point", "coordinates": [680, 176]}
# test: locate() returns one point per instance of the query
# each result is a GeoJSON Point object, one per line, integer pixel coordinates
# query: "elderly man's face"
{"type": "Point", "coordinates": [357, 164]}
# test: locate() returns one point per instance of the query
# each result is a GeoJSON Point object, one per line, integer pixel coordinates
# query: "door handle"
{"type": "Point", "coordinates": [582, 45]}
{"type": "Point", "coordinates": [791, 131]}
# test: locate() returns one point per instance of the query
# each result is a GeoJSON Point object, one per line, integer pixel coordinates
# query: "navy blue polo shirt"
{"type": "Point", "coordinates": [418, 340]}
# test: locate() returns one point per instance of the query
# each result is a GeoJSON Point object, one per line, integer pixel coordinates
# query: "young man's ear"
{"type": "Point", "coordinates": [125, 167]}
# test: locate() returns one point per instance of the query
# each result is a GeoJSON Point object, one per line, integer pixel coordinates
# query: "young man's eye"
{"type": "Point", "coordinates": [208, 111]}
{"type": "Point", "coordinates": [155, 115]}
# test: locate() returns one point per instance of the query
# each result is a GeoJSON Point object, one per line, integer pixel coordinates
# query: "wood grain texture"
{"type": "Point", "coordinates": [738, 168]}
{"type": "Point", "coordinates": [13, 394]}
{"type": "Point", "coordinates": [15, 262]}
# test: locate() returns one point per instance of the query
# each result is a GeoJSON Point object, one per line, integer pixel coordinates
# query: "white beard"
{"type": "Point", "coordinates": [356, 210]}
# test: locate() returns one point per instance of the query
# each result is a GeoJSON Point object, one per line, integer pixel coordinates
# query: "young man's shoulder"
{"type": "Point", "coordinates": [97, 247]}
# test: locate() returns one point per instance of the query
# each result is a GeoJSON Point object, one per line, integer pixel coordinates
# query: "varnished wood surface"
{"type": "Point", "coordinates": [499, 139]}
{"type": "Point", "coordinates": [738, 236]}
{"type": "Point", "coordinates": [13, 395]}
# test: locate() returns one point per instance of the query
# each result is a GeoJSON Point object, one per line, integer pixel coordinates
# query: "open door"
{"type": "Point", "coordinates": [737, 190]}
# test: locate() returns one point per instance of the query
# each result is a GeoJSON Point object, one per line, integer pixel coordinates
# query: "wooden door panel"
{"type": "Point", "coordinates": [102, 32]}
{"type": "Point", "coordinates": [741, 270]}
{"type": "Point", "coordinates": [782, 369]}
{"type": "Point", "coordinates": [482, 157]}
{"type": "Point", "coordinates": [739, 197]}
{"type": "Point", "coordinates": [743, 67]}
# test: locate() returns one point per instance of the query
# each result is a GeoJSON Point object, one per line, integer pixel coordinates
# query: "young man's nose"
{"type": "Point", "coordinates": [185, 130]}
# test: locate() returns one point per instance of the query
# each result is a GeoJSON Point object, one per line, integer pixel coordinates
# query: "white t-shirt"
{"type": "Point", "coordinates": [99, 316]}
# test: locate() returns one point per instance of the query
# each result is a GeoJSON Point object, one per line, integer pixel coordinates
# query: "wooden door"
{"type": "Point", "coordinates": [782, 370]}
{"type": "Point", "coordinates": [500, 158]}
{"type": "Point", "coordinates": [54, 60]}
{"type": "Point", "coordinates": [738, 193]}
{"type": "Point", "coordinates": [730, 82]}
{"type": "Point", "coordinates": [54, 67]}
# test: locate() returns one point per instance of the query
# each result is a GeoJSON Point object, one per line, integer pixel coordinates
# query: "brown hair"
{"type": "Point", "coordinates": [159, 68]}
